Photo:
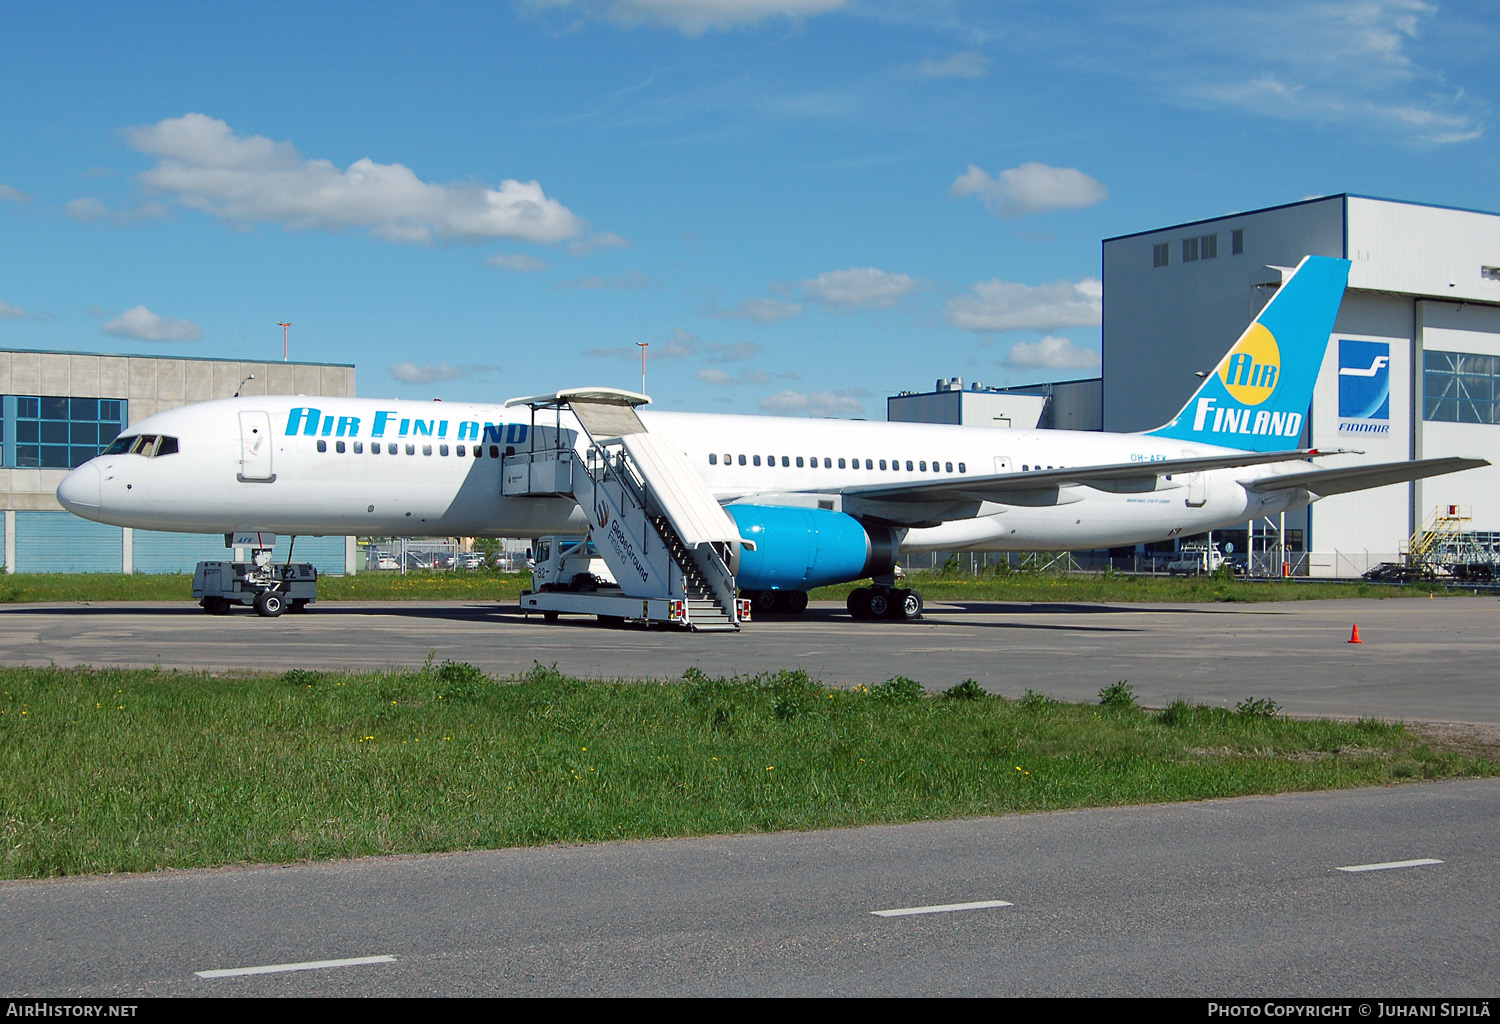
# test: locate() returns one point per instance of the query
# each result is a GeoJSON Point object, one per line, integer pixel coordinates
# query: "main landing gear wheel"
{"type": "Point", "coordinates": [885, 603]}
{"type": "Point", "coordinates": [776, 602]}
{"type": "Point", "coordinates": [796, 601]}
{"type": "Point", "coordinates": [269, 603]}
{"type": "Point", "coordinates": [766, 601]}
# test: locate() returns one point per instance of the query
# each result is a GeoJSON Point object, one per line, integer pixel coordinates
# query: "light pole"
{"type": "Point", "coordinates": [643, 345]}
{"type": "Point", "coordinates": [283, 325]}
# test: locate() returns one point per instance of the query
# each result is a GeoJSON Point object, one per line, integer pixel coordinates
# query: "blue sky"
{"type": "Point", "coordinates": [802, 206]}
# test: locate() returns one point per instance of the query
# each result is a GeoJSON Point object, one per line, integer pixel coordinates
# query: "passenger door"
{"type": "Point", "coordinates": [256, 446]}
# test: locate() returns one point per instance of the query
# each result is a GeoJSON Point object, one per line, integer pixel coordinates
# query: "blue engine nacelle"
{"type": "Point", "coordinates": [801, 548]}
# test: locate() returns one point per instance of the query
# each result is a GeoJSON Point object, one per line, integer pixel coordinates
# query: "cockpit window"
{"type": "Point", "coordinates": [149, 445]}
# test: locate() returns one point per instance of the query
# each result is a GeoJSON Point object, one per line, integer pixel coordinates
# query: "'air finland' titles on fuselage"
{"type": "Point", "coordinates": [310, 422]}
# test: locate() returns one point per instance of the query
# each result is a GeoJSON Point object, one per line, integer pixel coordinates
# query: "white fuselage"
{"type": "Point", "coordinates": [226, 476]}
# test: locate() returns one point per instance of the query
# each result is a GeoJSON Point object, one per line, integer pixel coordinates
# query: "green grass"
{"type": "Point", "coordinates": [114, 770]}
{"type": "Point", "coordinates": [485, 585]}
{"type": "Point", "coordinates": [1113, 588]}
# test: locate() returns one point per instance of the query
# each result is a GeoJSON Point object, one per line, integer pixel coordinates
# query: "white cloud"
{"type": "Point", "coordinates": [596, 282]}
{"type": "Point", "coordinates": [521, 262]}
{"type": "Point", "coordinates": [205, 166]}
{"type": "Point", "coordinates": [681, 345]}
{"type": "Point", "coordinates": [595, 241]}
{"type": "Point", "coordinates": [86, 209]}
{"type": "Point", "coordinates": [411, 373]}
{"type": "Point", "coordinates": [859, 288]}
{"type": "Point", "coordinates": [140, 323]}
{"type": "Point", "coordinates": [694, 17]}
{"type": "Point", "coordinates": [9, 312]}
{"type": "Point", "coordinates": [708, 375]}
{"type": "Point", "coordinates": [1007, 306]}
{"type": "Point", "coordinates": [761, 311]}
{"type": "Point", "coordinates": [1030, 188]}
{"type": "Point", "coordinates": [965, 64]}
{"type": "Point", "coordinates": [713, 375]}
{"type": "Point", "coordinates": [719, 352]}
{"type": "Point", "coordinates": [1051, 353]}
{"type": "Point", "coordinates": [842, 402]}
{"type": "Point", "coordinates": [13, 194]}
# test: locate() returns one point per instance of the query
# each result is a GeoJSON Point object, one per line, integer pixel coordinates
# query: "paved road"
{"type": "Point", "coordinates": [1232, 897]}
{"type": "Point", "coordinates": [1427, 660]}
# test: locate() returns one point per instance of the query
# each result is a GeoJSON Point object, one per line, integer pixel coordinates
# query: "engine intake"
{"type": "Point", "coordinates": [801, 548]}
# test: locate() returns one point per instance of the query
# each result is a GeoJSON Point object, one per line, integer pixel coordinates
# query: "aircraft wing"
{"type": "Point", "coordinates": [1357, 478]}
{"type": "Point", "coordinates": [1005, 488]}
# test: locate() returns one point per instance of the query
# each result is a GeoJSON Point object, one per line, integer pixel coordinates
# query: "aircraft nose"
{"type": "Point", "coordinates": [79, 491]}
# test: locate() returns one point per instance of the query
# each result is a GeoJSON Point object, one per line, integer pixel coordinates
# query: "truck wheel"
{"type": "Point", "coordinates": [269, 603]}
{"type": "Point", "coordinates": [549, 616]}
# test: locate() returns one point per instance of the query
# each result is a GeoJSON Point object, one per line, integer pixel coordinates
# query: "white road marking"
{"type": "Point", "coordinates": [941, 908]}
{"type": "Point", "coordinates": [310, 965]}
{"type": "Point", "coordinates": [1388, 865]}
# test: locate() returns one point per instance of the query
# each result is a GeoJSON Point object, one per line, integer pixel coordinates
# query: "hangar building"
{"type": "Point", "coordinates": [1419, 333]}
{"type": "Point", "coordinates": [60, 409]}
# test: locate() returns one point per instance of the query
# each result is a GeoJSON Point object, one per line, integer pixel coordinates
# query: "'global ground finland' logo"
{"type": "Point", "coordinates": [1364, 386]}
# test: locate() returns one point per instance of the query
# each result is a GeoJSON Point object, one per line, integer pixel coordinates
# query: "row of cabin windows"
{"type": "Point", "coordinates": [392, 448]}
{"type": "Point", "coordinates": [828, 463]}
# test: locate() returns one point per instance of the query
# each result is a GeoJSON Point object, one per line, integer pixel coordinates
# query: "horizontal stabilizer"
{"type": "Point", "coordinates": [1323, 482]}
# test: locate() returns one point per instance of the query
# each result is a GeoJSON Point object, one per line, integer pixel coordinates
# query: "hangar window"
{"type": "Point", "coordinates": [1490, 273]}
{"type": "Point", "coordinates": [45, 432]}
{"type": "Point", "coordinates": [1159, 254]}
{"type": "Point", "coordinates": [1208, 247]}
{"type": "Point", "coordinates": [1460, 387]}
{"type": "Point", "coordinates": [1189, 250]}
{"type": "Point", "coordinates": [1237, 242]}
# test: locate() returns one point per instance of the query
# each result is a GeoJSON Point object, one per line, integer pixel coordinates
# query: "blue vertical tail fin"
{"type": "Point", "coordinates": [1257, 398]}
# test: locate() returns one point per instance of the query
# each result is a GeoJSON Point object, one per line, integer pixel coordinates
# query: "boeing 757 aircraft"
{"type": "Point", "coordinates": [815, 501]}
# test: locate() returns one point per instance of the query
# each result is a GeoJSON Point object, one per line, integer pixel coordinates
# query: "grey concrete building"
{"type": "Point", "coordinates": [59, 409]}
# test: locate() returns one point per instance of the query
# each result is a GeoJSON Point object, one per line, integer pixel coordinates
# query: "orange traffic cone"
{"type": "Point", "coordinates": [1354, 637]}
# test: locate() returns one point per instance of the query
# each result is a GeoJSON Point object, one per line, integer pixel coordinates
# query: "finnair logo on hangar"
{"type": "Point", "coordinates": [1364, 386]}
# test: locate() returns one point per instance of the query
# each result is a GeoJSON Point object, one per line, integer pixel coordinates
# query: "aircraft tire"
{"type": "Point", "coordinates": [767, 601]}
{"type": "Point", "coordinates": [907, 606]}
{"type": "Point", "coordinates": [858, 603]}
{"type": "Point", "coordinates": [878, 605]}
{"type": "Point", "coordinates": [796, 601]}
{"type": "Point", "coordinates": [269, 604]}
